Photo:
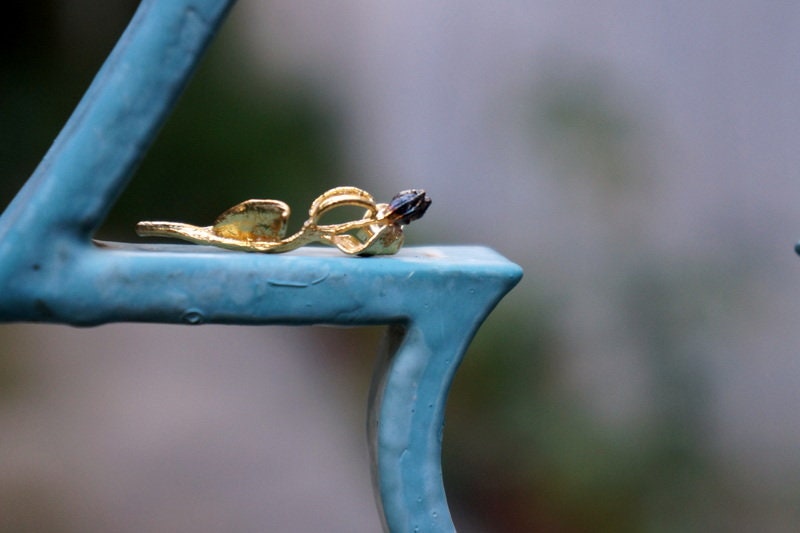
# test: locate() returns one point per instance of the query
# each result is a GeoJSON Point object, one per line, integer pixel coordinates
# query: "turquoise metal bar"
{"type": "Point", "coordinates": [432, 298]}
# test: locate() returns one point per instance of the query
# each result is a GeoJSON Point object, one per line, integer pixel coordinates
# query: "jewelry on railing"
{"type": "Point", "coordinates": [260, 225]}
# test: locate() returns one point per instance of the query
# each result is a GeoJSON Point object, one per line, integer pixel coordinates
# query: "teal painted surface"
{"type": "Point", "coordinates": [432, 298]}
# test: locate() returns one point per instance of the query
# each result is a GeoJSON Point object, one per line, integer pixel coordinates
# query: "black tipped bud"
{"type": "Point", "coordinates": [408, 205]}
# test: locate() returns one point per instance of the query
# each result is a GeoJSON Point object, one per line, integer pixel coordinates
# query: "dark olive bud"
{"type": "Point", "coordinates": [408, 205]}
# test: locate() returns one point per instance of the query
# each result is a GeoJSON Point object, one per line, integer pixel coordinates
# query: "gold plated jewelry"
{"type": "Point", "coordinates": [260, 225]}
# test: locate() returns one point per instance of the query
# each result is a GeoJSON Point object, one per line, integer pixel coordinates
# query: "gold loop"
{"type": "Point", "coordinates": [339, 197]}
{"type": "Point", "coordinates": [260, 225]}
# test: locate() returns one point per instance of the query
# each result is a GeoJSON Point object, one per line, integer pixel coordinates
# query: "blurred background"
{"type": "Point", "coordinates": [638, 159]}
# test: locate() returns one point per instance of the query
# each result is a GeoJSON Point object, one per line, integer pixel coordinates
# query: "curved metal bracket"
{"type": "Point", "coordinates": [433, 298]}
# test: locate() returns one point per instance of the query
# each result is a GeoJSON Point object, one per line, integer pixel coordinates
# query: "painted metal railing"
{"type": "Point", "coordinates": [432, 298]}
